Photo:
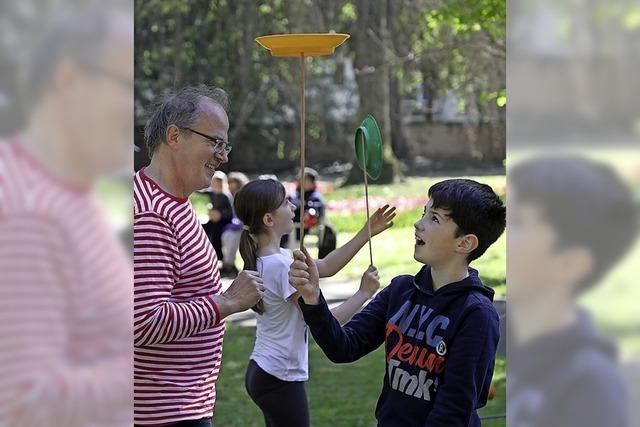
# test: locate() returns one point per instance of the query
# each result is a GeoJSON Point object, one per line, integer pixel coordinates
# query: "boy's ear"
{"type": "Point", "coordinates": [267, 220]}
{"type": "Point", "coordinates": [577, 264]}
{"type": "Point", "coordinates": [467, 243]}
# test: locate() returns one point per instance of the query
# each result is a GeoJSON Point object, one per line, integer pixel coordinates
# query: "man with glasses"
{"type": "Point", "coordinates": [179, 305]}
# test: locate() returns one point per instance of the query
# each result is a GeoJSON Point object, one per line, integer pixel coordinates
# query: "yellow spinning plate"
{"type": "Point", "coordinates": [301, 46]}
{"type": "Point", "coordinates": [309, 44]}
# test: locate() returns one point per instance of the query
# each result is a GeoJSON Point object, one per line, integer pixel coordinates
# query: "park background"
{"type": "Point", "coordinates": [432, 73]}
{"type": "Point", "coordinates": [572, 68]}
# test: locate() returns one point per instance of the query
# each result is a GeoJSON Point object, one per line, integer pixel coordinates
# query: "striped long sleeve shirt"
{"type": "Point", "coordinates": [177, 329]}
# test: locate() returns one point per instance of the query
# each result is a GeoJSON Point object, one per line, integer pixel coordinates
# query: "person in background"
{"type": "Point", "coordinates": [220, 211]}
{"type": "Point", "coordinates": [232, 231]}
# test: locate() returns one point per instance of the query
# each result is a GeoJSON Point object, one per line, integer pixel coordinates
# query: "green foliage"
{"type": "Point", "coordinates": [439, 46]}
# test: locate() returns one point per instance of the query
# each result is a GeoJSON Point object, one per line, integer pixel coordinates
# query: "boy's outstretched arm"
{"type": "Point", "coordinates": [468, 370]}
{"type": "Point", "coordinates": [341, 344]}
{"type": "Point", "coordinates": [338, 258]}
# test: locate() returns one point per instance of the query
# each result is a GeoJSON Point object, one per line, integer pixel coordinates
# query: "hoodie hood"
{"type": "Point", "coordinates": [573, 367]}
{"type": "Point", "coordinates": [562, 345]}
{"type": "Point", "coordinates": [472, 283]}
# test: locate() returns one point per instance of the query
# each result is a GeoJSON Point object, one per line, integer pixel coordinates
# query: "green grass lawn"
{"type": "Point", "coordinates": [339, 395]}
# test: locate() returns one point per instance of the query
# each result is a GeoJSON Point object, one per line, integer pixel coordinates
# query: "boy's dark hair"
{"type": "Point", "coordinates": [474, 207]}
{"type": "Point", "coordinates": [585, 203]}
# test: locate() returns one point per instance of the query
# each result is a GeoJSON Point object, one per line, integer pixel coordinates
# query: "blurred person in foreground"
{"type": "Point", "coordinates": [65, 282]}
{"type": "Point", "coordinates": [179, 304]}
{"type": "Point", "coordinates": [570, 221]}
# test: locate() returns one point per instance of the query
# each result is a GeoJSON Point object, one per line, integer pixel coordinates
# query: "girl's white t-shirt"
{"type": "Point", "coordinates": [281, 347]}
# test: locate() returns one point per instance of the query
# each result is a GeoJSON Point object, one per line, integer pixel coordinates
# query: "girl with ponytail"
{"type": "Point", "coordinates": [279, 361]}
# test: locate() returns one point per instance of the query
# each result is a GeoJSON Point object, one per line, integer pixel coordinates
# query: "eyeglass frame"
{"type": "Point", "coordinates": [219, 145]}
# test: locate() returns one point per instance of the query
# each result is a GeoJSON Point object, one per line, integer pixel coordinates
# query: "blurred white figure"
{"type": "Point", "coordinates": [231, 234]}
{"type": "Point", "coordinates": [66, 286]}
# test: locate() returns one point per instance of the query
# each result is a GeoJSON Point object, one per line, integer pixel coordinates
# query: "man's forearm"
{"type": "Point", "coordinates": [171, 321]}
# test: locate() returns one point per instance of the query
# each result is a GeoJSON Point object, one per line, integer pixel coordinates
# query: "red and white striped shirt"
{"type": "Point", "coordinates": [65, 303]}
{"type": "Point", "coordinates": [177, 329]}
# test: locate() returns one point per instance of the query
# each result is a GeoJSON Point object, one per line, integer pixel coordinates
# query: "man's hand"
{"type": "Point", "coordinates": [245, 291]}
{"type": "Point", "coordinates": [381, 220]}
{"type": "Point", "coordinates": [303, 275]}
{"type": "Point", "coordinates": [370, 282]}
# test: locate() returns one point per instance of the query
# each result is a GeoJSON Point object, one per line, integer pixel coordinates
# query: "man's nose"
{"type": "Point", "coordinates": [222, 157]}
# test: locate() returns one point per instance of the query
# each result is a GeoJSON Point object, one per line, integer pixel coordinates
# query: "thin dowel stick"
{"type": "Point", "coordinates": [366, 193]}
{"type": "Point", "coordinates": [302, 150]}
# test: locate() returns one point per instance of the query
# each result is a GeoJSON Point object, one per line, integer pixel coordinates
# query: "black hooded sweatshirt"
{"type": "Point", "coordinates": [440, 347]}
{"type": "Point", "coordinates": [567, 378]}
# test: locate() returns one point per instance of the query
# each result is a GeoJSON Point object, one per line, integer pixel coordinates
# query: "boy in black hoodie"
{"type": "Point", "coordinates": [439, 327]}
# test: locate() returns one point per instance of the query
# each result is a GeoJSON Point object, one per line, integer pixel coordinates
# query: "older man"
{"type": "Point", "coordinates": [178, 303]}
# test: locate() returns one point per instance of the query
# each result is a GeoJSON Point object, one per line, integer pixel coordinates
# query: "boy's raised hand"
{"type": "Point", "coordinates": [381, 220]}
{"type": "Point", "coordinates": [303, 275]}
{"type": "Point", "coordinates": [370, 282]}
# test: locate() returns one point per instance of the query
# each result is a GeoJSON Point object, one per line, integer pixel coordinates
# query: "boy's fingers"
{"type": "Point", "coordinates": [300, 274]}
{"type": "Point", "coordinates": [298, 265]}
{"type": "Point", "coordinates": [298, 282]}
{"type": "Point", "coordinates": [308, 259]}
{"type": "Point", "coordinates": [298, 254]}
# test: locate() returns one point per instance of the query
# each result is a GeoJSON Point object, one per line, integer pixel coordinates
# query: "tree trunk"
{"type": "Point", "coordinates": [372, 76]}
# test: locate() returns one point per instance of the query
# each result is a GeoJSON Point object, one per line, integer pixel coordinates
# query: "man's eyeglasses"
{"type": "Point", "coordinates": [219, 145]}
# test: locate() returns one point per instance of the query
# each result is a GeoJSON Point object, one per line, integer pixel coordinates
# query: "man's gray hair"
{"type": "Point", "coordinates": [182, 110]}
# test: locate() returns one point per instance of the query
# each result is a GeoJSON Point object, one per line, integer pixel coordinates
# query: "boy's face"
{"type": "Point", "coordinates": [530, 242]}
{"type": "Point", "coordinates": [308, 183]}
{"type": "Point", "coordinates": [234, 186]}
{"type": "Point", "coordinates": [536, 267]}
{"type": "Point", "coordinates": [435, 237]}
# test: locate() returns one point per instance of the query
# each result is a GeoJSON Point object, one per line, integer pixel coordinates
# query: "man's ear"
{"type": "Point", "coordinates": [171, 136]}
{"type": "Point", "coordinates": [267, 220]}
{"type": "Point", "coordinates": [467, 243]}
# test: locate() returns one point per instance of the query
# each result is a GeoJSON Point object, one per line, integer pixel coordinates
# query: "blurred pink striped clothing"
{"type": "Point", "coordinates": [65, 303]}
